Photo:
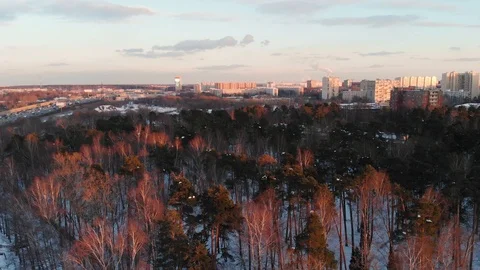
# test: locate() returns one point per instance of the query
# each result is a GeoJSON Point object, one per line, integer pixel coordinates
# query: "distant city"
{"type": "Point", "coordinates": [402, 92]}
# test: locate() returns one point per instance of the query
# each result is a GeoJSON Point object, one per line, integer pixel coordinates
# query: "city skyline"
{"type": "Point", "coordinates": [119, 41]}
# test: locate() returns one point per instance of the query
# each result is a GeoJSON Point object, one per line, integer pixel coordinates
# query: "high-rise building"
{"type": "Point", "coordinates": [235, 85]}
{"type": "Point", "coordinates": [383, 89]}
{"type": "Point", "coordinates": [409, 99]}
{"type": "Point", "coordinates": [313, 84]}
{"type": "Point", "coordinates": [330, 87]}
{"type": "Point", "coordinates": [347, 84]}
{"type": "Point", "coordinates": [413, 81]}
{"type": "Point", "coordinates": [198, 88]}
{"type": "Point", "coordinates": [378, 91]}
{"type": "Point", "coordinates": [420, 82]}
{"type": "Point", "coordinates": [468, 82]}
{"type": "Point", "coordinates": [178, 83]}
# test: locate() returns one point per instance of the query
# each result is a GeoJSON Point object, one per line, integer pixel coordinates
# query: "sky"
{"type": "Point", "coordinates": [152, 41]}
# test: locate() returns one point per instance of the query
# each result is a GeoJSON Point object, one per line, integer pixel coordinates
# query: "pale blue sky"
{"type": "Point", "coordinates": [151, 41]}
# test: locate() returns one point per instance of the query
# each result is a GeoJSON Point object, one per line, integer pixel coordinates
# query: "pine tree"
{"type": "Point", "coordinates": [200, 259]}
{"type": "Point", "coordinates": [313, 241]}
{"type": "Point", "coordinates": [171, 243]}
{"type": "Point", "coordinates": [356, 260]}
{"type": "Point", "coordinates": [221, 216]}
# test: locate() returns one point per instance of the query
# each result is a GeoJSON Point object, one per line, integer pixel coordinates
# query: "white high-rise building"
{"type": "Point", "coordinates": [330, 87]}
{"type": "Point", "coordinates": [178, 83]}
{"type": "Point", "coordinates": [378, 91]}
{"type": "Point", "coordinates": [420, 82]}
{"type": "Point", "coordinates": [468, 82]}
{"type": "Point", "coordinates": [383, 90]}
{"type": "Point", "coordinates": [413, 81]}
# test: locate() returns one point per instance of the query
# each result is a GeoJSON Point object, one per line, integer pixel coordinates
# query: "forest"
{"type": "Point", "coordinates": [258, 187]}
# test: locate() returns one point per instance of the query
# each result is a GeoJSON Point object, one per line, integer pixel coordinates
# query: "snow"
{"type": "Point", "coordinates": [468, 105]}
{"type": "Point", "coordinates": [8, 260]}
{"type": "Point", "coordinates": [135, 107]}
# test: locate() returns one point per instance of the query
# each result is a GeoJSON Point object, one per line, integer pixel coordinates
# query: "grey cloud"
{"type": "Point", "coordinates": [330, 57]}
{"type": "Point", "coordinates": [10, 10]}
{"type": "Point", "coordinates": [199, 45]}
{"type": "Point", "coordinates": [420, 58]}
{"type": "Point", "coordinates": [80, 10]}
{"type": "Point", "coordinates": [93, 10]}
{"type": "Point", "coordinates": [57, 64]}
{"type": "Point", "coordinates": [338, 58]}
{"type": "Point", "coordinates": [455, 49]}
{"type": "Point", "coordinates": [201, 16]}
{"type": "Point", "coordinates": [381, 53]}
{"type": "Point", "coordinates": [6, 17]}
{"type": "Point", "coordinates": [221, 67]}
{"type": "Point", "coordinates": [276, 54]}
{"type": "Point", "coordinates": [444, 25]}
{"type": "Point", "coordinates": [141, 53]}
{"type": "Point", "coordinates": [247, 40]}
{"type": "Point", "coordinates": [265, 43]}
{"type": "Point", "coordinates": [290, 7]}
{"type": "Point", "coordinates": [473, 59]}
{"type": "Point", "coordinates": [134, 50]}
{"type": "Point", "coordinates": [186, 47]}
{"type": "Point", "coordinates": [431, 5]}
{"type": "Point", "coordinates": [376, 66]}
{"type": "Point", "coordinates": [371, 21]}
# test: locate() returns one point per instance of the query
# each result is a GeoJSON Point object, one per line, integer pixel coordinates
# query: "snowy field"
{"type": "Point", "coordinates": [134, 108]}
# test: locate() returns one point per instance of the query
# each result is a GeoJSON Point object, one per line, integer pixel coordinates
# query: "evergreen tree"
{"type": "Point", "coordinates": [314, 242]}
{"type": "Point", "coordinates": [356, 260]}
{"type": "Point", "coordinates": [220, 216]}
{"type": "Point", "coordinates": [200, 259]}
{"type": "Point", "coordinates": [171, 243]}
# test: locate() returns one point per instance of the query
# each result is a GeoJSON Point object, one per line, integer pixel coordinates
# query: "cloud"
{"type": "Point", "coordinates": [135, 50]}
{"type": "Point", "coordinates": [221, 67]}
{"type": "Point", "coordinates": [265, 43]}
{"type": "Point", "coordinates": [473, 59]}
{"type": "Point", "coordinates": [76, 10]}
{"type": "Point", "coordinates": [57, 64]}
{"type": "Point", "coordinates": [371, 21]}
{"type": "Point", "coordinates": [329, 57]}
{"type": "Point", "coordinates": [376, 66]}
{"type": "Point", "coordinates": [199, 45]}
{"type": "Point", "coordinates": [337, 58]}
{"type": "Point", "coordinates": [276, 54]}
{"type": "Point", "coordinates": [381, 53]}
{"type": "Point", "coordinates": [420, 58]}
{"type": "Point", "coordinates": [202, 16]}
{"type": "Point", "coordinates": [247, 40]}
{"type": "Point", "coordinates": [456, 49]}
{"type": "Point", "coordinates": [10, 10]}
{"type": "Point", "coordinates": [424, 4]}
{"type": "Point", "coordinates": [141, 53]}
{"type": "Point", "coordinates": [444, 25]}
{"type": "Point", "coordinates": [94, 10]}
{"type": "Point", "coordinates": [290, 7]}
{"type": "Point", "coordinates": [186, 47]}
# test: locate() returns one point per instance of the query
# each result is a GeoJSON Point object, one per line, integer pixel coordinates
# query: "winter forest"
{"type": "Point", "coordinates": [256, 187]}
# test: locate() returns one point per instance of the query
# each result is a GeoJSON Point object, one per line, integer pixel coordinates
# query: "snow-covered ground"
{"type": "Point", "coordinates": [135, 107]}
{"type": "Point", "coordinates": [8, 260]}
{"type": "Point", "coordinates": [468, 105]}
